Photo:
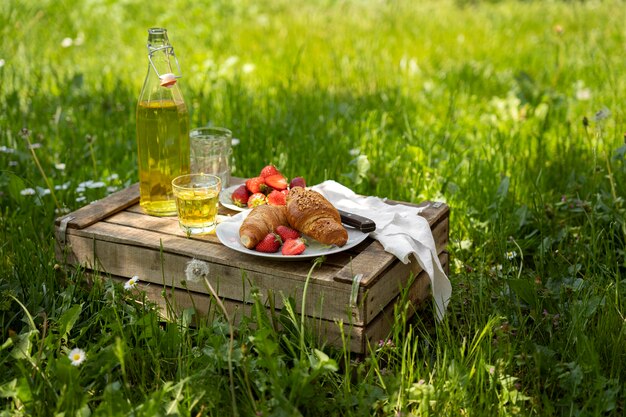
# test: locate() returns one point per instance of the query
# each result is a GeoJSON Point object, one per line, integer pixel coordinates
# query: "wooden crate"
{"type": "Point", "coordinates": [115, 238]}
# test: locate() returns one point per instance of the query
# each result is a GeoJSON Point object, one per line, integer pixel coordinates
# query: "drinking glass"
{"type": "Point", "coordinates": [197, 200]}
{"type": "Point", "coordinates": [211, 150]}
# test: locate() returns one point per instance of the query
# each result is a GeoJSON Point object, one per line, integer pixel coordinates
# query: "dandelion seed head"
{"type": "Point", "coordinates": [196, 270]}
{"type": "Point", "coordinates": [602, 114]}
{"type": "Point", "coordinates": [77, 356]}
{"type": "Point", "coordinates": [35, 145]}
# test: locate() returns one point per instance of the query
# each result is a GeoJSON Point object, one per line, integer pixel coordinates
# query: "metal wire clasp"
{"type": "Point", "coordinates": [169, 50]}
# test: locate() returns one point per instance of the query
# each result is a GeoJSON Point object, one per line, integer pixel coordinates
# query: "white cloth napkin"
{"type": "Point", "coordinates": [400, 231]}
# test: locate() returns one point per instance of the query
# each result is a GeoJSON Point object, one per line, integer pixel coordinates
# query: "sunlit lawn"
{"type": "Point", "coordinates": [510, 112]}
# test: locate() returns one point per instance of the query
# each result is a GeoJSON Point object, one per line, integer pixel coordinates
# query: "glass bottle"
{"type": "Point", "coordinates": [162, 128]}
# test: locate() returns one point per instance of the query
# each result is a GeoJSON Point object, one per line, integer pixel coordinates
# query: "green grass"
{"type": "Point", "coordinates": [511, 112]}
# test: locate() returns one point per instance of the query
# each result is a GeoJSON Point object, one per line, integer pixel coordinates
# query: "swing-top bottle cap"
{"type": "Point", "coordinates": [158, 41]}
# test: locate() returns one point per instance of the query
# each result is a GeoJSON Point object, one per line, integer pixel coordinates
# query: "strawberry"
{"type": "Point", "coordinates": [277, 198]}
{"type": "Point", "coordinates": [286, 233]}
{"type": "Point", "coordinates": [293, 247]}
{"type": "Point", "coordinates": [255, 185]}
{"type": "Point", "coordinates": [240, 196]}
{"type": "Point", "coordinates": [276, 181]}
{"type": "Point", "coordinates": [269, 170]}
{"type": "Point", "coordinates": [297, 182]}
{"type": "Point", "coordinates": [256, 199]}
{"type": "Point", "coordinates": [269, 244]}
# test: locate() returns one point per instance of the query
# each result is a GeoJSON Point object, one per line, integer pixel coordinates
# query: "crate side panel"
{"type": "Point", "coordinates": [393, 282]}
{"type": "Point", "coordinates": [172, 301]}
{"type": "Point", "coordinates": [165, 268]}
{"type": "Point", "coordinates": [207, 251]}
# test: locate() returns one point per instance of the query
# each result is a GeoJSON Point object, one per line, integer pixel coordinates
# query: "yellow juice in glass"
{"type": "Point", "coordinates": [197, 200]}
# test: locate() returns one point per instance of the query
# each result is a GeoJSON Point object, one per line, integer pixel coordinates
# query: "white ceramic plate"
{"type": "Point", "coordinates": [228, 233]}
{"type": "Point", "coordinates": [227, 202]}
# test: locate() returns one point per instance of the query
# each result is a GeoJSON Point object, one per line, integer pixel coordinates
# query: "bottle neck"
{"type": "Point", "coordinates": [163, 71]}
{"type": "Point", "coordinates": [159, 51]}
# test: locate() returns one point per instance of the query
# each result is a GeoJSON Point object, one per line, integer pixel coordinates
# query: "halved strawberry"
{"type": "Point", "coordinates": [277, 198]}
{"type": "Point", "coordinates": [269, 170]}
{"type": "Point", "coordinates": [276, 181]}
{"type": "Point", "coordinates": [257, 199]}
{"type": "Point", "coordinates": [255, 185]}
{"type": "Point", "coordinates": [270, 243]}
{"type": "Point", "coordinates": [293, 247]}
{"type": "Point", "coordinates": [240, 196]}
{"type": "Point", "coordinates": [297, 182]}
{"type": "Point", "coordinates": [286, 233]}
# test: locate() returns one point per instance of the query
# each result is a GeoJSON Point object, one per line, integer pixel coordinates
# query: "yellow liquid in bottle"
{"type": "Point", "coordinates": [163, 153]}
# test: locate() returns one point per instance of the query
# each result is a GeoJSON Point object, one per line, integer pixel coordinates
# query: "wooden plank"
{"type": "Point", "coordinates": [394, 280]}
{"type": "Point", "coordinates": [433, 212]}
{"type": "Point", "coordinates": [379, 328]}
{"type": "Point", "coordinates": [102, 209]}
{"type": "Point", "coordinates": [370, 263]}
{"type": "Point", "coordinates": [152, 265]}
{"type": "Point", "coordinates": [324, 331]}
{"type": "Point", "coordinates": [204, 250]}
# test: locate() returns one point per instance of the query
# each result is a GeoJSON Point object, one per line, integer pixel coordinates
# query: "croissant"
{"type": "Point", "coordinates": [312, 214]}
{"type": "Point", "coordinates": [261, 221]}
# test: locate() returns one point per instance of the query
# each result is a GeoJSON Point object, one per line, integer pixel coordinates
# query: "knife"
{"type": "Point", "coordinates": [364, 224]}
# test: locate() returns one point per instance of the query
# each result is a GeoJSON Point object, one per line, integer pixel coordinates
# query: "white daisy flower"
{"type": "Point", "coordinates": [77, 356]}
{"type": "Point", "coordinates": [67, 42]}
{"type": "Point", "coordinates": [28, 191]}
{"type": "Point", "coordinates": [131, 283]}
{"type": "Point", "coordinates": [93, 184]}
{"type": "Point", "coordinates": [61, 187]}
{"type": "Point", "coordinates": [511, 255]}
{"type": "Point", "coordinates": [60, 166]}
{"type": "Point", "coordinates": [5, 149]}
